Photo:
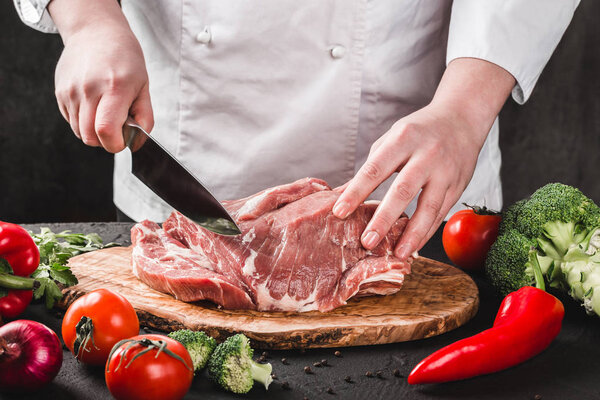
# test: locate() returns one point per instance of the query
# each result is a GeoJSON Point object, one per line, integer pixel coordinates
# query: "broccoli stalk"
{"type": "Point", "coordinates": [551, 239]}
{"type": "Point", "coordinates": [198, 344]}
{"type": "Point", "coordinates": [559, 237]}
{"type": "Point", "coordinates": [232, 367]}
{"type": "Point", "coordinates": [582, 272]}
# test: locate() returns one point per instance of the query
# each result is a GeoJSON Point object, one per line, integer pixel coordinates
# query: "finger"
{"type": "Point", "coordinates": [428, 209]}
{"type": "Point", "coordinates": [62, 99]}
{"type": "Point", "coordinates": [73, 113]}
{"type": "Point", "coordinates": [378, 167]}
{"type": "Point", "coordinates": [404, 188]}
{"type": "Point", "coordinates": [341, 188]}
{"type": "Point", "coordinates": [449, 201]}
{"type": "Point", "coordinates": [87, 116]}
{"type": "Point", "coordinates": [141, 110]}
{"type": "Point", "coordinates": [111, 114]}
{"type": "Point", "coordinates": [62, 107]}
{"type": "Point", "coordinates": [376, 144]}
{"type": "Point", "coordinates": [64, 112]}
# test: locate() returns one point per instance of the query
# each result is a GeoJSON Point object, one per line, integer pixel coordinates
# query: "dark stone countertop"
{"type": "Point", "coordinates": [568, 369]}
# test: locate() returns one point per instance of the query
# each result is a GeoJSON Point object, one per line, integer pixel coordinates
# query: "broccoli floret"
{"type": "Point", "coordinates": [509, 217]}
{"type": "Point", "coordinates": [551, 239]}
{"type": "Point", "coordinates": [513, 262]}
{"type": "Point", "coordinates": [232, 367]}
{"type": "Point", "coordinates": [551, 203]}
{"type": "Point", "coordinates": [198, 344]}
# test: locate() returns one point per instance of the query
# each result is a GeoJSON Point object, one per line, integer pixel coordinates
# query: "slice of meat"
{"type": "Point", "coordinates": [293, 254]}
{"type": "Point", "coordinates": [273, 198]}
{"type": "Point", "coordinates": [168, 266]}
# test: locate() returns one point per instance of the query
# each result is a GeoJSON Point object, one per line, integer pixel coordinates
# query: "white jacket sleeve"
{"type": "Point", "coordinates": [517, 35]}
{"type": "Point", "coordinates": [35, 14]}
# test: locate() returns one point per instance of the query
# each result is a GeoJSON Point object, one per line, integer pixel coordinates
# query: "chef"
{"type": "Point", "coordinates": [392, 100]}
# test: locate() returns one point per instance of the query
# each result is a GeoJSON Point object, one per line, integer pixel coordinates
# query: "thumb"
{"type": "Point", "coordinates": [141, 109]}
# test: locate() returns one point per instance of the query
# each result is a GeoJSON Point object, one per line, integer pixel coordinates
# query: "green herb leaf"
{"type": "Point", "coordinates": [55, 251]}
{"type": "Point", "coordinates": [42, 272]}
{"type": "Point", "coordinates": [49, 290]}
{"type": "Point", "coordinates": [64, 276]}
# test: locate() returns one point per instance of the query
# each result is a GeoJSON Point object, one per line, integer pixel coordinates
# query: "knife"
{"type": "Point", "coordinates": [152, 164]}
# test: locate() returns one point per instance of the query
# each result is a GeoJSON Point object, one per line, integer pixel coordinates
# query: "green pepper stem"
{"type": "Point", "coordinates": [8, 281]}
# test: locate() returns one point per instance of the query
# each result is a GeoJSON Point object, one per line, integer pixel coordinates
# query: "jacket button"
{"type": "Point", "coordinates": [338, 51]}
{"type": "Point", "coordinates": [204, 37]}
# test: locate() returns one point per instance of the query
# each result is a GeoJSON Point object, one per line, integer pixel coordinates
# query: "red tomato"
{"type": "Point", "coordinates": [149, 377]}
{"type": "Point", "coordinates": [112, 319]}
{"type": "Point", "coordinates": [468, 235]}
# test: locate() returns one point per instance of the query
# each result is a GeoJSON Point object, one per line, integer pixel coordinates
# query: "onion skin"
{"type": "Point", "coordinates": [30, 356]}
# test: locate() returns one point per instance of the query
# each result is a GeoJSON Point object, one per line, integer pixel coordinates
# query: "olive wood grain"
{"type": "Point", "coordinates": [435, 298]}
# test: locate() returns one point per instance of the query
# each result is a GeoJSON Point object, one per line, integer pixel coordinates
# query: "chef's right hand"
{"type": "Point", "coordinates": [101, 78]}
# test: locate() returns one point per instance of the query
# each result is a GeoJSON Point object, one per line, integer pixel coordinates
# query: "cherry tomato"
{"type": "Point", "coordinates": [468, 235]}
{"type": "Point", "coordinates": [14, 303]}
{"type": "Point", "coordinates": [163, 377]}
{"type": "Point", "coordinates": [95, 322]}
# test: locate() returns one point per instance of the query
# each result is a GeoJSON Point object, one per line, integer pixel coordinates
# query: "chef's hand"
{"type": "Point", "coordinates": [101, 75]}
{"type": "Point", "coordinates": [434, 150]}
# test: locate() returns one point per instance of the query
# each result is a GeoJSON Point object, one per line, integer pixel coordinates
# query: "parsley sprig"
{"type": "Point", "coordinates": [55, 251]}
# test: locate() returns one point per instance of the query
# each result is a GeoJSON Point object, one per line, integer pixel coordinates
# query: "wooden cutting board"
{"type": "Point", "coordinates": [435, 298]}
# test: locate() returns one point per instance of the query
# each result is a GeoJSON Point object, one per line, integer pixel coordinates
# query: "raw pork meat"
{"type": "Point", "coordinates": [293, 254]}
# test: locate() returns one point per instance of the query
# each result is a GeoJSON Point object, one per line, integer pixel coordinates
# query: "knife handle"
{"type": "Point", "coordinates": [133, 134]}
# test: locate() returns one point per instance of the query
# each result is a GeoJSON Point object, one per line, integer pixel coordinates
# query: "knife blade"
{"type": "Point", "coordinates": [158, 169]}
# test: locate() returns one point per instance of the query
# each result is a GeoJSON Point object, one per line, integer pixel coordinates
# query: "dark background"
{"type": "Point", "coordinates": [46, 174]}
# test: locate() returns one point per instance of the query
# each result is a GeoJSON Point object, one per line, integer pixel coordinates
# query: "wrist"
{"type": "Point", "coordinates": [474, 91]}
{"type": "Point", "coordinates": [74, 18]}
{"type": "Point", "coordinates": [467, 113]}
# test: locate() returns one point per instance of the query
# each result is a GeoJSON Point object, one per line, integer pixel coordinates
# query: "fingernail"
{"type": "Point", "coordinates": [402, 252]}
{"type": "Point", "coordinates": [370, 239]}
{"type": "Point", "coordinates": [341, 209]}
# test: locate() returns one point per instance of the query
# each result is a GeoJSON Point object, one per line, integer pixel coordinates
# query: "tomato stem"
{"type": "Point", "coordinates": [150, 345]}
{"type": "Point", "coordinates": [85, 332]}
{"type": "Point", "coordinates": [483, 210]}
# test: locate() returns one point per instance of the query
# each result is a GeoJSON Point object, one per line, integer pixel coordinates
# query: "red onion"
{"type": "Point", "coordinates": [30, 356]}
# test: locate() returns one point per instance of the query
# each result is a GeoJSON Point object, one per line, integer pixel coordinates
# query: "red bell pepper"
{"type": "Point", "coordinates": [19, 257]}
{"type": "Point", "coordinates": [527, 322]}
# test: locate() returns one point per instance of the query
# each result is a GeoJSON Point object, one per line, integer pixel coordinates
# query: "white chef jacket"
{"type": "Point", "coordinates": [252, 94]}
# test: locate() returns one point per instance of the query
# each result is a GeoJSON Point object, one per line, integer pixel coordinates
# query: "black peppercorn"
{"type": "Point", "coordinates": [337, 353]}
{"type": "Point", "coordinates": [324, 361]}
{"type": "Point", "coordinates": [317, 364]}
{"type": "Point", "coordinates": [330, 391]}
{"type": "Point", "coordinates": [348, 379]}
{"type": "Point", "coordinates": [397, 373]}
{"type": "Point", "coordinates": [284, 361]}
{"type": "Point", "coordinates": [368, 374]}
{"type": "Point", "coordinates": [307, 370]}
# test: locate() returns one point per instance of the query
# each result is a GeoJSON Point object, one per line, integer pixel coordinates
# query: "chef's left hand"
{"type": "Point", "coordinates": [434, 150]}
